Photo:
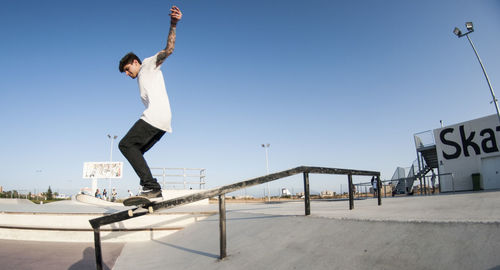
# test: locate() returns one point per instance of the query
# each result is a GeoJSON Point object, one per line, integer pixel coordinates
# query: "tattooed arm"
{"type": "Point", "coordinates": [175, 16]}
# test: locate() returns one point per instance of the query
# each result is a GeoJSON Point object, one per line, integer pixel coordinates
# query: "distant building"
{"type": "Point", "coordinates": [285, 192]}
{"type": "Point", "coordinates": [1, 189]}
{"type": "Point", "coordinates": [327, 193]}
{"type": "Point", "coordinates": [243, 197]}
{"type": "Point", "coordinates": [62, 196]}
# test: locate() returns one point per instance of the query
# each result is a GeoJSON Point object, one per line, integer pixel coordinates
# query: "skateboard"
{"type": "Point", "coordinates": [142, 203]}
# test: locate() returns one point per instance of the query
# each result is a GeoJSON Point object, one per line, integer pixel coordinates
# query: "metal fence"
{"type": "Point", "coordinates": [187, 176]}
{"type": "Point", "coordinates": [424, 139]}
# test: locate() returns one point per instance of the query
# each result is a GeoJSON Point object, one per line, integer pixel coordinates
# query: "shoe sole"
{"type": "Point", "coordinates": [152, 195]}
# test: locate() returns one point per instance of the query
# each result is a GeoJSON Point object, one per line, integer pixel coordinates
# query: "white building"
{"type": "Point", "coordinates": [285, 192]}
{"type": "Point", "coordinates": [469, 148]}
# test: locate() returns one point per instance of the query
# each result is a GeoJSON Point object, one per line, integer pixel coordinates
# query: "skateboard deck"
{"type": "Point", "coordinates": [142, 203]}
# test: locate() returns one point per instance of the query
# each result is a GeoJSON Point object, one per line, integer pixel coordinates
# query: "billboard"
{"type": "Point", "coordinates": [467, 148]}
{"type": "Point", "coordinates": [102, 169]}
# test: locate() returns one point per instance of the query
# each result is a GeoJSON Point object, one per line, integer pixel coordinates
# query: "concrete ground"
{"type": "Point", "coordinates": [29, 255]}
{"type": "Point", "coordinates": [258, 241]}
{"type": "Point", "coordinates": [460, 231]}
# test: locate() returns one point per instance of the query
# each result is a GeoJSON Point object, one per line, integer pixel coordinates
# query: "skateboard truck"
{"type": "Point", "coordinates": [140, 209]}
{"type": "Point", "coordinates": [142, 203]}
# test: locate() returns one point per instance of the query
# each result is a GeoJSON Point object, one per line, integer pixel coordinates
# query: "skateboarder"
{"type": "Point", "coordinates": [374, 184]}
{"type": "Point", "coordinates": [155, 120]}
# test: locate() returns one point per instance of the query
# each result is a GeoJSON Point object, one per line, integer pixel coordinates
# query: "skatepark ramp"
{"type": "Point", "coordinates": [84, 198]}
{"type": "Point", "coordinates": [16, 201]}
{"type": "Point", "coordinates": [220, 193]}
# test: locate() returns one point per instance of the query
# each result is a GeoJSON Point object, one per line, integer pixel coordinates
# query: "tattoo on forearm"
{"type": "Point", "coordinates": [170, 46]}
{"type": "Point", "coordinates": [161, 57]}
{"type": "Point", "coordinates": [171, 40]}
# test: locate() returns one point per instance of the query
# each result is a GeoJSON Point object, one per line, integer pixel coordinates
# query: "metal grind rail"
{"type": "Point", "coordinates": [221, 191]}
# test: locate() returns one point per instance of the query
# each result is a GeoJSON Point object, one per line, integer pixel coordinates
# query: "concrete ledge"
{"type": "Point", "coordinates": [16, 201]}
{"type": "Point", "coordinates": [167, 195]}
{"type": "Point", "coordinates": [83, 235]}
{"type": "Point", "coordinates": [95, 201]}
{"type": "Point", "coordinates": [76, 227]}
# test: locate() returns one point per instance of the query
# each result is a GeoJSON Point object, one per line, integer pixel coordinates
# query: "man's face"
{"type": "Point", "coordinates": [132, 69]}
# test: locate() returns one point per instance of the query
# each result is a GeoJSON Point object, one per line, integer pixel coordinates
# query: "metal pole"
{"type": "Point", "coordinates": [307, 199]}
{"type": "Point", "coordinates": [486, 76]}
{"type": "Point", "coordinates": [419, 170]}
{"type": "Point", "coordinates": [200, 178]}
{"type": "Point", "coordinates": [379, 196]}
{"type": "Point", "coordinates": [426, 185]}
{"type": "Point", "coordinates": [163, 176]}
{"type": "Point", "coordinates": [97, 246]}
{"type": "Point", "coordinates": [351, 199]}
{"type": "Point", "coordinates": [423, 176]}
{"type": "Point", "coordinates": [439, 179]}
{"type": "Point", "coordinates": [267, 170]}
{"type": "Point", "coordinates": [385, 191]}
{"type": "Point", "coordinates": [111, 157]}
{"type": "Point", "coordinates": [222, 225]}
{"type": "Point", "coordinates": [111, 149]}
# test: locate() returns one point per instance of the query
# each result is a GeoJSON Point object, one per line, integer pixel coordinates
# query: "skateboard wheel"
{"type": "Point", "coordinates": [150, 209]}
{"type": "Point", "coordinates": [130, 213]}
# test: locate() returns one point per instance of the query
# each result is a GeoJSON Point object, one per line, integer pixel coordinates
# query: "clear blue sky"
{"type": "Point", "coordinates": [340, 84]}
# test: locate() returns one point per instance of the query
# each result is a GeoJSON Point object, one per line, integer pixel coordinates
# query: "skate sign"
{"type": "Point", "coordinates": [102, 170]}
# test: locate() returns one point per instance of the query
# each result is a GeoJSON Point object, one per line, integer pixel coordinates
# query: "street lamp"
{"type": "Point", "coordinates": [470, 29]}
{"type": "Point", "coordinates": [111, 156]}
{"type": "Point", "coordinates": [266, 147]}
{"type": "Point", "coordinates": [111, 149]}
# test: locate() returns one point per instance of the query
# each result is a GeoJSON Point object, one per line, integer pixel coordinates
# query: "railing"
{"type": "Point", "coordinates": [363, 189]}
{"type": "Point", "coordinates": [181, 172]}
{"type": "Point", "coordinates": [424, 139]}
{"type": "Point", "coordinates": [221, 191]}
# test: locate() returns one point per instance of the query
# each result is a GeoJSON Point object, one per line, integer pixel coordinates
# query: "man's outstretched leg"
{"type": "Point", "coordinates": [139, 139]}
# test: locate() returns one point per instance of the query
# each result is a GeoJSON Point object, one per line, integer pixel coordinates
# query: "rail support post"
{"type": "Point", "coordinates": [307, 199]}
{"type": "Point", "coordinates": [222, 225]}
{"type": "Point", "coordinates": [97, 246]}
{"type": "Point", "coordinates": [351, 195]}
{"type": "Point", "coordinates": [379, 191]}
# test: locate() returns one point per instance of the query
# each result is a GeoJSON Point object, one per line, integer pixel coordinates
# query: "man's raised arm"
{"type": "Point", "coordinates": [175, 16]}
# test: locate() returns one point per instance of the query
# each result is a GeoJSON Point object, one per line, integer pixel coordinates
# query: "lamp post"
{"type": "Point", "coordinates": [470, 29]}
{"type": "Point", "coordinates": [111, 149]}
{"type": "Point", "coordinates": [266, 147]}
{"type": "Point", "coordinates": [112, 138]}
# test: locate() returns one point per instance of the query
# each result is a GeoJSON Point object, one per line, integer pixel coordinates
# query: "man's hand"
{"type": "Point", "coordinates": [175, 15]}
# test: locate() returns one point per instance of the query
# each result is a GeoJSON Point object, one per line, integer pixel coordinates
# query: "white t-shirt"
{"type": "Point", "coordinates": [154, 95]}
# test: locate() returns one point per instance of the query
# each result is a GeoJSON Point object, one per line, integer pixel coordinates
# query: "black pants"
{"type": "Point", "coordinates": [139, 139]}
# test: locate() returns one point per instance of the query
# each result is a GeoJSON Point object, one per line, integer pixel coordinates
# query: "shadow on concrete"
{"type": "Point", "coordinates": [88, 261]}
{"type": "Point", "coordinates": [262, 216]}
{"type": "Point", "coordinates": [28, 255]}
{"type": "Point", "coordinates": [189, 250]}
